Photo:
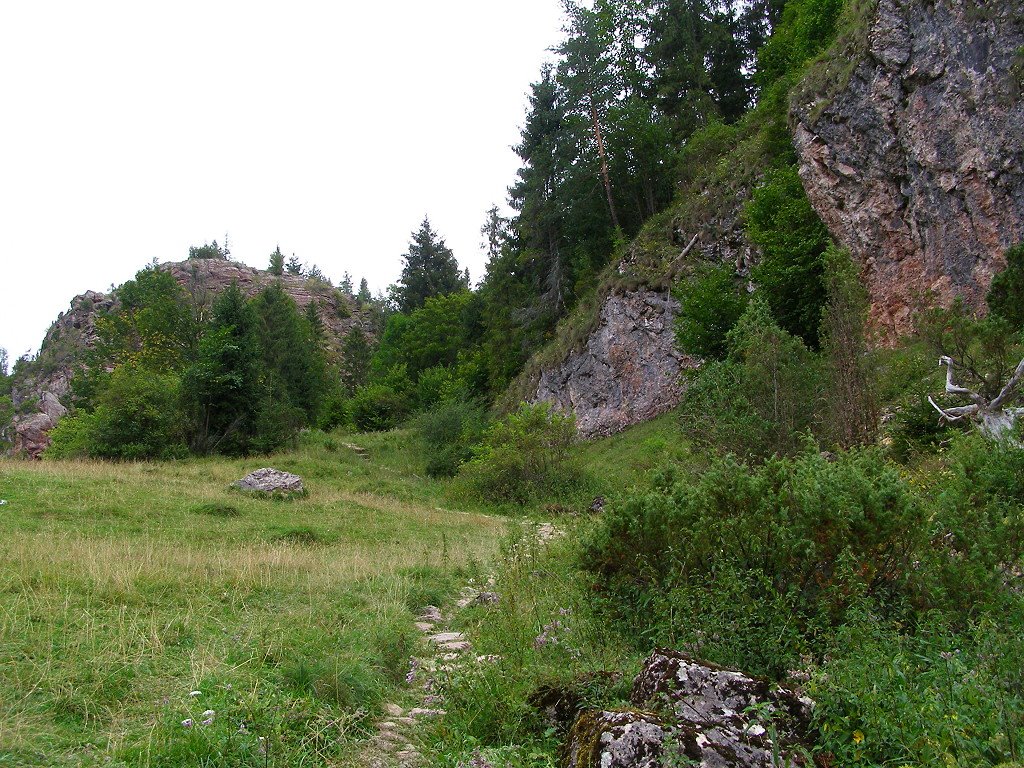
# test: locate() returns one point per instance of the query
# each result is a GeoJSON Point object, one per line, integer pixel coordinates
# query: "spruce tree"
{"type": "Point", "coordinates": [276, 262]}
{"type": "Point", "coordinates": [430, 270]}
{"type": "Point", "coordinates": [223, 392]}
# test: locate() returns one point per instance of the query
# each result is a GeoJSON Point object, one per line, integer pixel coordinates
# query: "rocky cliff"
{"type": "Point", "coordinates": [911, 149]}
{"type": "Point", "coordinates": [628, 370]}
{"type": "Point", "coordinates": [42, 392]}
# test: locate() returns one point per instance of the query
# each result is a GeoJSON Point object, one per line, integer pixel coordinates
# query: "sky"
{"type": "Point", "coordinates": [132, 130]}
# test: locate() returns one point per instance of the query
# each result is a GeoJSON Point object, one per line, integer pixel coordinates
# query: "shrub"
{"type": "Point", "coordinates": [709, 307]}
{"type": "Point", "coordinates": [780, 220]}
{"type": "Point", "coordinates": [378, 407]}
{"type": "Point", "coordinates": [788, 546]}
{"type": "Point", "coordinates": [449, 430]}
{"type": "Point", "coordinates": [70, 439]}
{"type": "Point", "coordinates": [137, 417]}
{"type": "Point", "coordinates": [524, 456]}
{"type": "Point", "coordinates": [1006, 296]}
{"type": "Point", "coordinates": [762, 398]}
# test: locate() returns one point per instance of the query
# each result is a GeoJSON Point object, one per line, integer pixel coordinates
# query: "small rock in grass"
{"type": "Point", "coordinates": [393, 710]}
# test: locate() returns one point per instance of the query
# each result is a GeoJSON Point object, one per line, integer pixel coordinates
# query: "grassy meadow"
{"type": "Point", "coordinates": [139, 596]}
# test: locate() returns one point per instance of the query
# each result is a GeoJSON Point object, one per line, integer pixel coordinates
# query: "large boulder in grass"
{"type": "Point", "coordinates": [272, 482]}
{"type": "Point", "coordinates": [615, 739]}
{"type": "Point", "coordinates": [721, 717]}
{"type": "Point", "coordinates": [693, 713]}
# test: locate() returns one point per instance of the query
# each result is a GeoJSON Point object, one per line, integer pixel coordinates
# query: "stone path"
{"type": "Point", "coordinates": [393, 745]}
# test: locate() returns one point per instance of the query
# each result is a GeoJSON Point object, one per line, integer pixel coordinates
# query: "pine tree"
{"type": "Point", "coordinates": [223, 392]}
{"type": "Point", "coordinates": [364, 296]}
{"type": "Point", "coordinates": [294, 266]}
{"type": "Point", "coordinates": [346, 284]}
{"type": "Point", "coordinates": [276, 262]}
{"type": "Point", "coordinates": [355, 360]}
{"type": "Point", "coordinates": [430, 270]}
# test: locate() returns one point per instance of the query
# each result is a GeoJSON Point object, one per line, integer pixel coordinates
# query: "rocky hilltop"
{"type": "Point", "coordinates": [910, 146]}
{"type": "Point", "coordinates": [42, 393]}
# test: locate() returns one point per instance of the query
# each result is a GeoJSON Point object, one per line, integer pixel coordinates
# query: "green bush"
{"type": "Point", "coordinates": [780, 220]}
{"type": "Point", "coordinates": [136, 417]}
{"type": "Point", "coordinates": [762, 398]}
{"type": "Point", "coordinates": [1006, 296]}
{"type": "Point", "coordinates": [934, 697]}
{"type": "Point", "coordinates": [524, 456]}
{"type": "Point", "coordinates": [709, 307]}
{"type": "Point", "coordinates": [70, 439]}
{"type": "Point", "coordinates": [378, 408]}
{"type": "Point", "coordinates": [789, 546]}
{"type": "Point", "coordinates": [448, 431]}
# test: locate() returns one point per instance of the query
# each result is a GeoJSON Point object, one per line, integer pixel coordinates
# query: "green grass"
{"type": "Point", "coordinates": [127, 586]}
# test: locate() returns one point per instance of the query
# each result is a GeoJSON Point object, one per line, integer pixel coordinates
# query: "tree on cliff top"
{"type": "Point", "coordinates": [430, 270]}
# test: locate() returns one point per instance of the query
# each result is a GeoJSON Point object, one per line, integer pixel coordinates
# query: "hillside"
{"type": "Point", "coordinates": [904, 134]}
{"type": "Point", "coordinates": [41, 388]}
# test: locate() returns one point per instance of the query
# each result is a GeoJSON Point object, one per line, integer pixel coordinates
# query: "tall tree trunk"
{"type": "Point", "coordinates": [604, 165]}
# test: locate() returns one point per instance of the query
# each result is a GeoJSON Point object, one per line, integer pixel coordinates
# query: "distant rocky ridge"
{"type": "Point", "coordinates": [42, 393]}
{"type": "Point", "coordinates": [911, 150]}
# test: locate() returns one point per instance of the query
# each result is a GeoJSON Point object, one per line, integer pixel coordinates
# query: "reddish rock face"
{"type": "Point", "coordinates": [915, 164]}
{"type": "Point", "coordinates": [629, 370]}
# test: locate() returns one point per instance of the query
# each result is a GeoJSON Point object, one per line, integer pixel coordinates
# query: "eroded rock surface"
{"type": "Point", "coordinates": [627, 372]}
{"type": "Point", "coordinates": [615, 739]}
{"type": "Point", "coordinates": [692, 713]}
{"type": "Point", "coordinates": [720, 716]}
{"type": "Point", "coordinates": [914, 161]}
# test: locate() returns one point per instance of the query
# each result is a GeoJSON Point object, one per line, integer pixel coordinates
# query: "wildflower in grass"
{"type": "Point", "coordinates": [414, 665]}
{"type": "Point", "coordinates": [242, 727]}
{"type": "Point", "coordinates": [858, 737]}
{"type": "Point", "coordinates": [208, 716]}
{"type": "Point", "coordinates": [193, 694]}
{"type": "Point", "coordinates": [187, 722]}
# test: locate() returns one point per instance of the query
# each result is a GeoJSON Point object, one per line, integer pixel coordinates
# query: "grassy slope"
{"type": "Point", "coordinates": [121, 593]}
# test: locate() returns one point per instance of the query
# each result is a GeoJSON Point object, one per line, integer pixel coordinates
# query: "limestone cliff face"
{"type": "Point", "coordinates": [627, 372]}
{"type": "Point", "coordinates": [42, 394]}
{"type": "Point", "coordinates": [912, 154]}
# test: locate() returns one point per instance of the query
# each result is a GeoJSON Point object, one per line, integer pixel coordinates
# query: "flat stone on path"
{"type": "Point", "coordinates": [446, 637]}
{"type": "Point", "coordinates": [424, 626]}
{"type": "Point", "coordinates": [457, 645]}
{"type": "Point", "coordinates": [431, 613]}
{"type": "Point", "coordinates": [393, 710]}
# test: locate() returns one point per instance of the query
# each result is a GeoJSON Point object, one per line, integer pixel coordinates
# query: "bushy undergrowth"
{"type": "Point", "coordinates": [449, 431]}
{"type": "Point", "coordinates": [525, 456]}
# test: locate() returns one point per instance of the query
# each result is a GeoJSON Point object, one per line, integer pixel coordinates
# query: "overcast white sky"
{"type": "Point", "coordinates": [131, 130]}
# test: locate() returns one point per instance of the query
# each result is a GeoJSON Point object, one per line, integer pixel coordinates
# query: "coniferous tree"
{"type": "Point", "coordinates": [294, 266]}
{"type": "Point", "coordinates": [355, 360]}
{"type": "Point", "coordinates": [346, 284]}
{"type": "Point", "coordinates": [223, 391]}
{"type": "Point", "coordinates": [276, 262]}
{"type": "Point", "coordinates": [293, 360]}
{"type": "Point", "coordinates": [364, 296]}
{"type": "Point", "coordinates": [430, 270]}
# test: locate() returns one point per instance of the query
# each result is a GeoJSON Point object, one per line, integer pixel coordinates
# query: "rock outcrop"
{"type": "Point", "coordinates": [271, 482]}
{"type": "Point", "coordinates": [694, 713]}
{"type": "Point", "coordinates": [911, 149]}
{"type": "Point", "coordinates": [628, 371]}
